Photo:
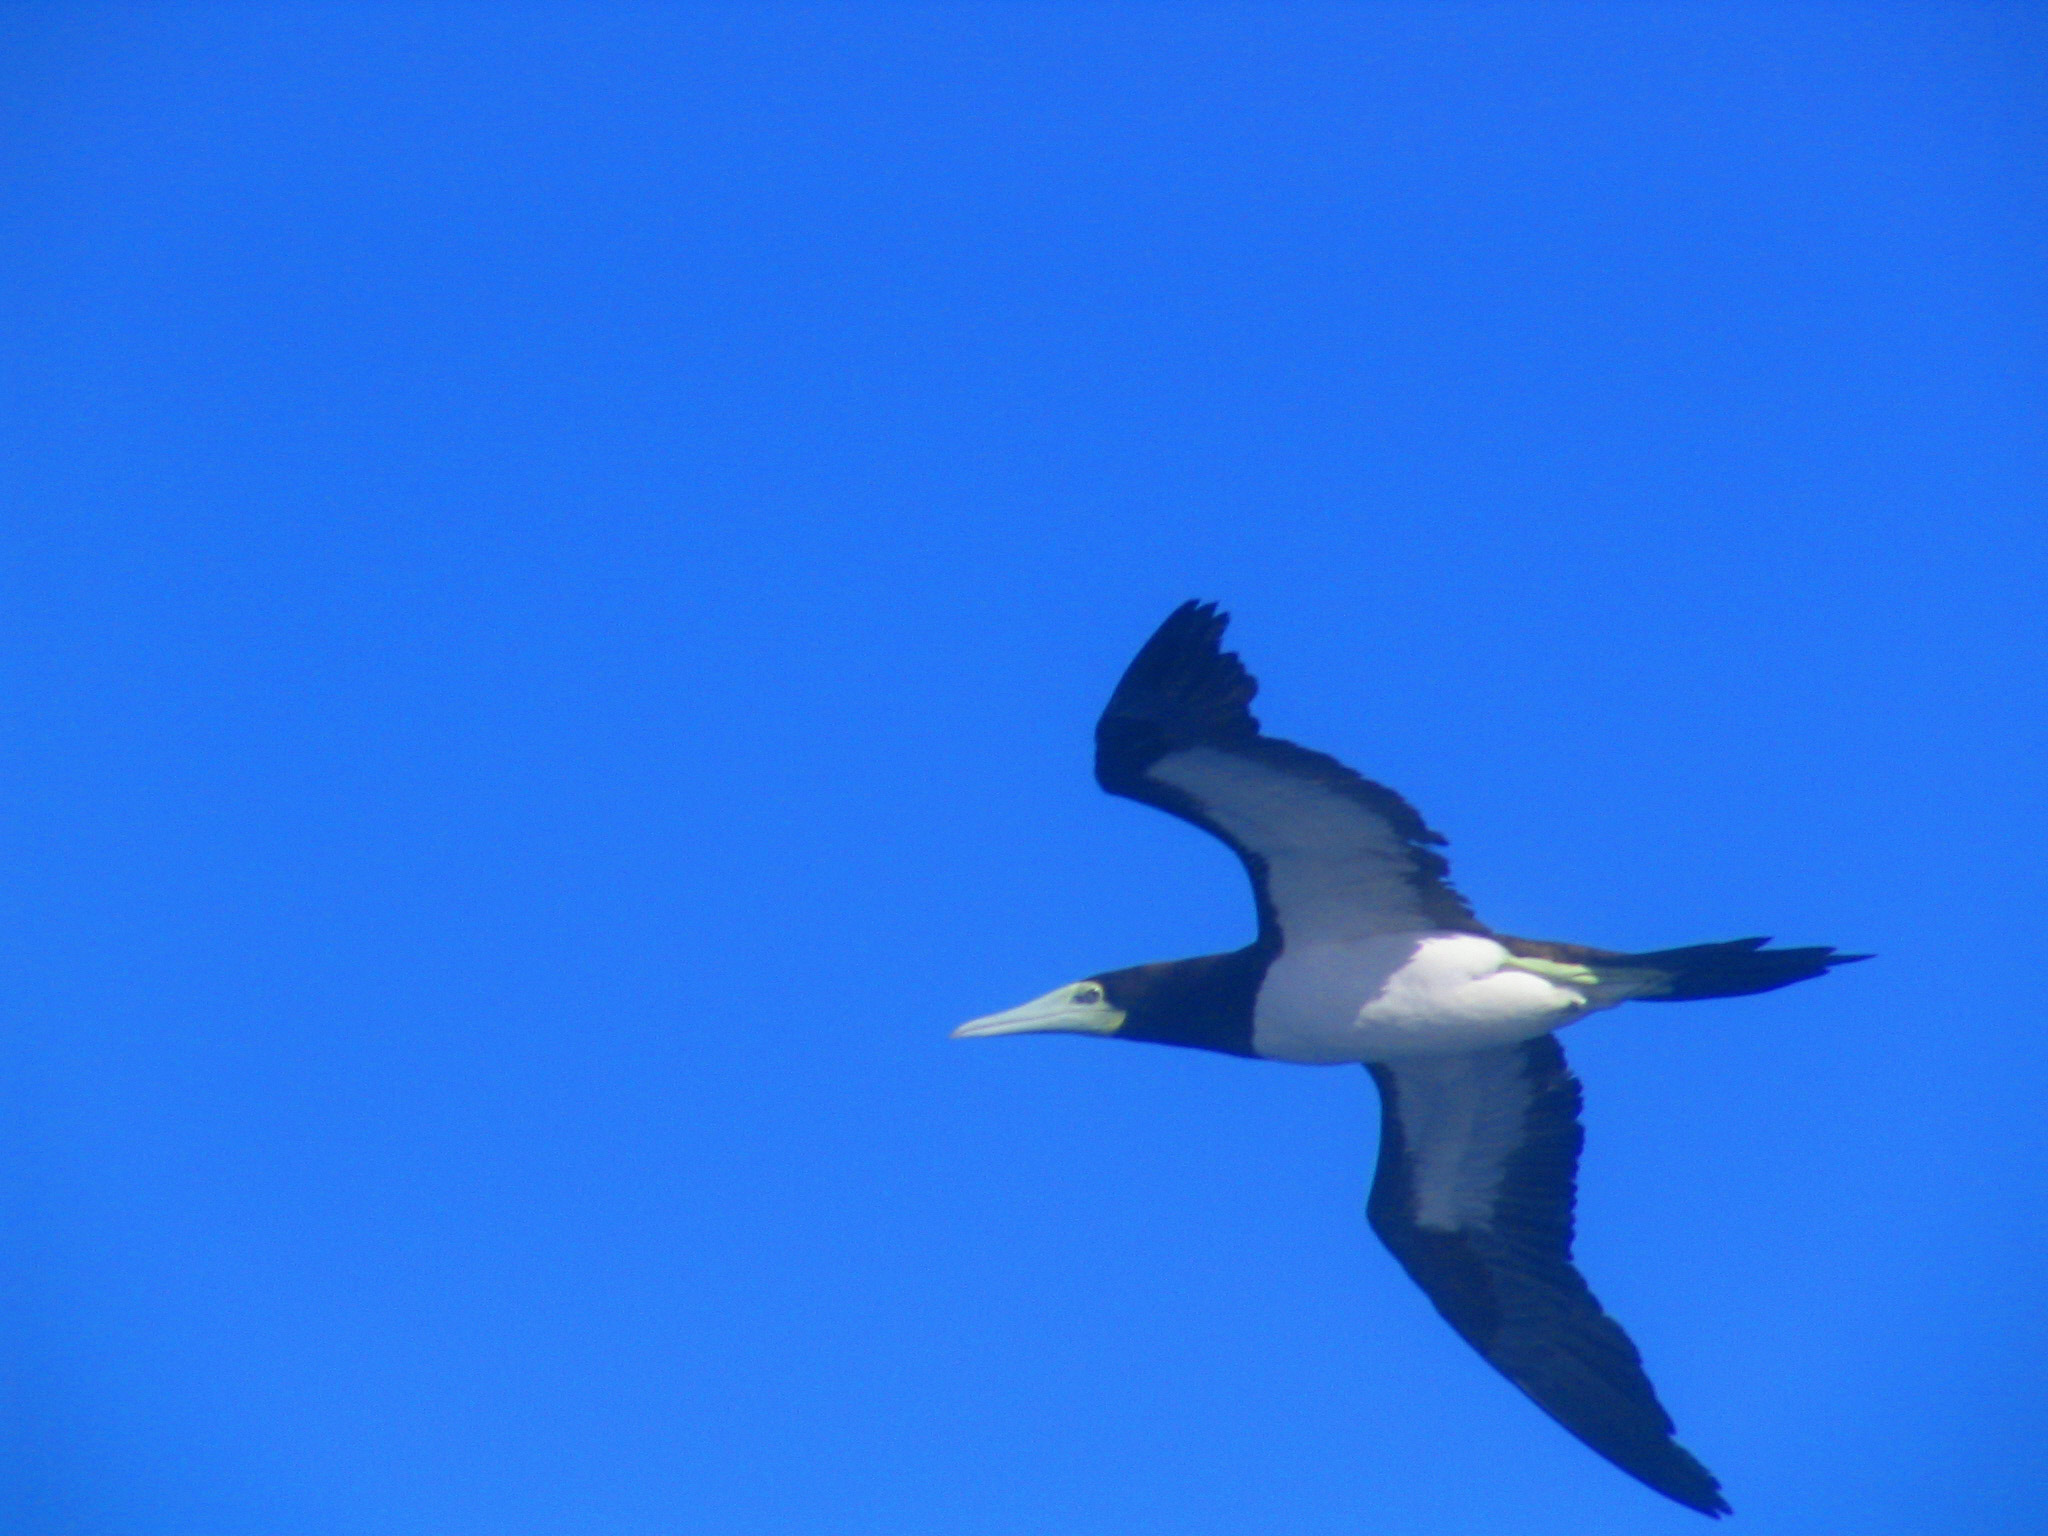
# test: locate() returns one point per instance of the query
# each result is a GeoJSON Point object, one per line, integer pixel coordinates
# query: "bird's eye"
{"type": "Point", "coordinates": [1088, 995]}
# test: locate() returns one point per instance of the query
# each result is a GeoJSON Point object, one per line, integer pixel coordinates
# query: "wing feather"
{"type": "Point", "coordinates": [1331, 855]}
{"type": "Point", "coordinates": [1477, 1178]}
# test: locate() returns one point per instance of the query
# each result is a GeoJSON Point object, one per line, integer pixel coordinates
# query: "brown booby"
{"type": "Point", "coordinates": [1366, 953]}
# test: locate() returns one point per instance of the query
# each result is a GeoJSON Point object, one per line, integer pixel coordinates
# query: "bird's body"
{"type": "Point", "coordinates": [1365, 953]}
{"type": "Point", "coordinates": [1391, 996]}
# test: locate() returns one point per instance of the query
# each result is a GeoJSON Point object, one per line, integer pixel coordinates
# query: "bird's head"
{"type": "Point", "coordinates": [1205, 1003]}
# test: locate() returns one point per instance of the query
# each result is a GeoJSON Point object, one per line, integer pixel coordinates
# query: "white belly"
{"type": "Point", "coordinates": [1403, 995]}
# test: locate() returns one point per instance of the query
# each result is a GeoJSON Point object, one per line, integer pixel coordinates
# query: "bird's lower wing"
{"type": "Point", "coordinates": [1477, 1177]}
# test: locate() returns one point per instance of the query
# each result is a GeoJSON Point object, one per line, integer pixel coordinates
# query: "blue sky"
{"type": "Point", "coordinates": [561, 564]}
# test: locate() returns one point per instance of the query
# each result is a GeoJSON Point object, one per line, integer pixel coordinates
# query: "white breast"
{"type": "Point", "coordinates": [1402, 995]}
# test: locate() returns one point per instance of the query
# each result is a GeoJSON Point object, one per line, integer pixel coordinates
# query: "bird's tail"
{"type": "Point", "coordinates": [1725, 970]}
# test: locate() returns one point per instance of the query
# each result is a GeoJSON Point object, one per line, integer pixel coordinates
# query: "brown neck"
{"type": "Point", "coordinates": [1205, 1002]}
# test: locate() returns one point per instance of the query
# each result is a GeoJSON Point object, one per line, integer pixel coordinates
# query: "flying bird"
{"type": "Point", "coordinates": [1366, 953]}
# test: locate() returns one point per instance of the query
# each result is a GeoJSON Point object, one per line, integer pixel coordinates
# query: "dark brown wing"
{"type": "Point", "coordinates": [1331, 855]}
{"type": "Point", "coordinates": [1479, 1157]}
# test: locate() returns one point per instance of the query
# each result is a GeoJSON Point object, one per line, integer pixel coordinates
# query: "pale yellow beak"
{"type": "Point", "coordinates": [1076, 1010]}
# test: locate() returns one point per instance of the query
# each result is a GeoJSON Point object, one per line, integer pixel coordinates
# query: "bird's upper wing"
{"type": "Point", "coordinates": [1479, 1158]}
{"type": "Point", "coordinates": [1331, 855]}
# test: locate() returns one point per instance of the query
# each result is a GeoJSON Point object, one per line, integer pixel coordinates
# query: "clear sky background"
{"type": "Point", "coordinates": [561, 564]}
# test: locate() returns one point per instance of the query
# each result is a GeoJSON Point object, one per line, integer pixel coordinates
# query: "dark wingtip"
{"type": "Point", "coordinates": [1673, 1471]}
{"type": "Point", "coordinates": [1181, 687]}
{"type": "Point", "coordinates": [1694, 1486]}
{"type": "Point", "coordinates": [1710, 1502]}
{"type": "Point", "coordinates": [1197, 621]}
